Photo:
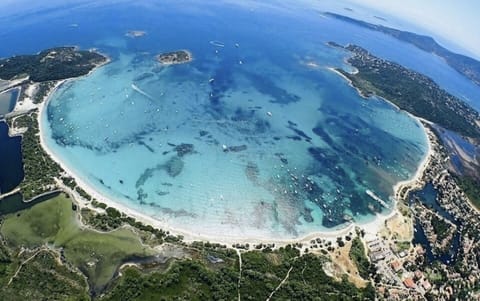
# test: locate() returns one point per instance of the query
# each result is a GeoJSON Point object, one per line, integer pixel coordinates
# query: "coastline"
{"type": "Point", "coordinates": [349, 81]}
{"type": "Point", "coordinates": [402, 188]}
{"type": "Point", "coordinates": [171, 62]}
{"type": "Point", "coordinates": [371, 228]}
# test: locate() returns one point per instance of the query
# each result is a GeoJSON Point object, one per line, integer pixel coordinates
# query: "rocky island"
{"type": "Point", "coordinates": [175, 57]}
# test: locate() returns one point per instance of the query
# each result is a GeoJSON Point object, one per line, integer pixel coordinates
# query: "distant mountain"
{"type": "Point", "coordinates": [465, 65]}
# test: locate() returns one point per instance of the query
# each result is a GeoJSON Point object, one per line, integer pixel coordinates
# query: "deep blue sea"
{"type": "Point", "coordinates": [11, 167]}
{"type": "Point", "coordinates": [255, 137]}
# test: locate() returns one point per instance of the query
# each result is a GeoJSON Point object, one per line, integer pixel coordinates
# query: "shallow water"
{"type": "Point", "coordinates": [8, 99]}
{"type": "Point", "coordinates": [246, 140]}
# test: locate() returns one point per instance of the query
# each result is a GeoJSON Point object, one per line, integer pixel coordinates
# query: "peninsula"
{"type": "Point", "coordinates": [465, 65]}
{"type": "Point", "coordinates": [51, 64]}
{"type": "Point", "coordinates": [410, 91]}
{"type": "Point", "coordinates": [450, 228]}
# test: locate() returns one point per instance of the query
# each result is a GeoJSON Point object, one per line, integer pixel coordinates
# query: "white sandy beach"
{"type": "Point", "coordinates": [370, 228]}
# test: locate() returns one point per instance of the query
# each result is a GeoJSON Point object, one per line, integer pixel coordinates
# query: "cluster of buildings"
{"type": "Point", "coordinates": [410, 275]}
{"type": "Point", "coordinates": [395, 280]}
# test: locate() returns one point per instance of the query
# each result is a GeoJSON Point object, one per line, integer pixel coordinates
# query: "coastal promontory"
{"type": "Point", "coordinates": [51, 64]}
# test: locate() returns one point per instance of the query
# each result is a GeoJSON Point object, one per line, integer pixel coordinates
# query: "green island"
{"type": "Point", "coordinates": [175, 57]}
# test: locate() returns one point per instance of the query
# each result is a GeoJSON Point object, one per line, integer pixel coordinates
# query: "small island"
{"type": "Point", "coordinates": [175, 57]}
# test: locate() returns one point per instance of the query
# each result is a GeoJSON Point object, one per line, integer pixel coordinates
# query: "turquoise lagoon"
{"type": "Point", "coordinates": [253, 138]}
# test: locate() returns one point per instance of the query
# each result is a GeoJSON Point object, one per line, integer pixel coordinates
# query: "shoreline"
{"type": "Point", "coordinates": [415, 181]}
{"type": "Point", "coordinates": [172, 62]}
{"type": "Point", "coordinates": [350, 83]}
{"type": "Point", "coordinates": [371, 228]}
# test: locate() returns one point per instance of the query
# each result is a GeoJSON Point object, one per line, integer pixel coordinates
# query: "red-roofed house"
{"type": "Point", "coordinates": [408, 282]}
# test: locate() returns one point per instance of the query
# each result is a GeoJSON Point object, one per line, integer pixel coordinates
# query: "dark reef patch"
{"type": "Point", "coordinates": [235, 149]}
{"type": "Point", "coordinates": [266, 86]}
{"type": "Point", "coordinates": [174, 166]}
{"type": "Point", "coordinates": [319, 131]}
{"type": "Point", "coordinates": [184, 149]}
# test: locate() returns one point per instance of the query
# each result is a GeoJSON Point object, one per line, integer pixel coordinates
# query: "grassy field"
{"type": "Point", "coordinates": [54, 222]}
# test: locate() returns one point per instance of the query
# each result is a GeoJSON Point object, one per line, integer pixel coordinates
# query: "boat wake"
{"type": "Point", "coordinates": [377, 198]}
{"type": "Point", "coordinates": [217, 43]}
{"type": "Point", "coordinates": [136, 88]}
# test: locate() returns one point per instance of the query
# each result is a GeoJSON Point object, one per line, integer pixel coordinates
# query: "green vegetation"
{"type": "Point", "coordinates": [42, 91]}
{"type": "Point", "coordinates": [39, 168]}
{"type": "Point", "coordinates": [411, 91]}
{"type": "Point", "coordinates": [402, 246]}
{"type": "Point", "coordinates": [176, 57]}
{"type": "Point", "coordinates": [435, 274]}
{"type": "Point", "coordinates": [262, 272]}
{"type": "Point", "coordinates": [51, 64]}
{"type": "Point", "coordinates": [359, 257]}
{"type": "Point", "coordinates": [7, 265]}
{"type": "Point", "coordinates": [43, 278]}
{"type": "Point", "coordinates": [184, 280]}
{"type": "Point", "coordinates": [471, 187]}
{"type": "Point", "coordinates": [97, 254]}
{"type": "Point", "coordinates": [440, 227]}
{"type": "Point", "coordinates": [54, 272]}
{"type": "Point", "coordinates": [465, 65]}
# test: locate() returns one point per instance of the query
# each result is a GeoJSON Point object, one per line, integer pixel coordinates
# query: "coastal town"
{"type": "Point", "coordinates": [445, 265]}
{"type": "Point", "coordinates": [413, 274]}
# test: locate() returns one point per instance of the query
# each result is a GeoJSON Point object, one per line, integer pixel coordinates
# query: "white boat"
{"type": "Point", "coordinates": [217, 43]}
